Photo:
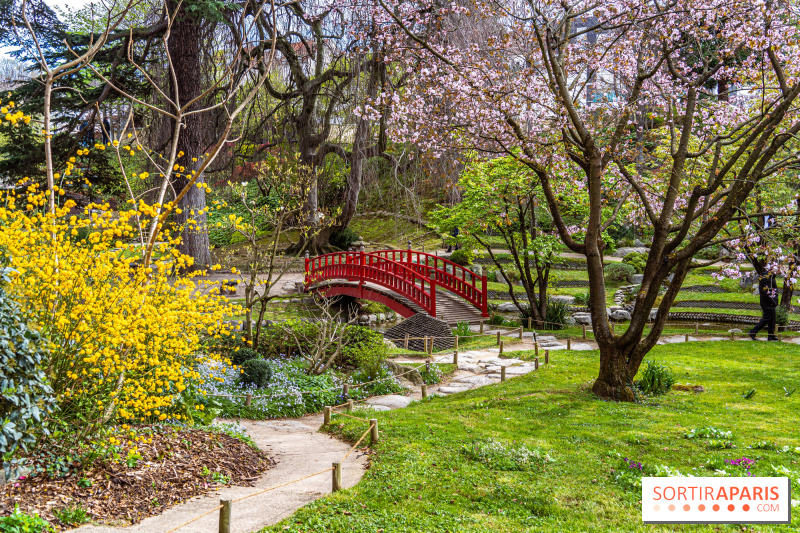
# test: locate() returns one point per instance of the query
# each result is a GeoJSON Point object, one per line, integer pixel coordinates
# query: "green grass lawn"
{"type": "Point", "coordinates": [426, 476]}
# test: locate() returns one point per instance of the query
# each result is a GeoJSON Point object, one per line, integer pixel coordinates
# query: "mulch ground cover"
{"type": "Point", "coordinates": [175, 464]}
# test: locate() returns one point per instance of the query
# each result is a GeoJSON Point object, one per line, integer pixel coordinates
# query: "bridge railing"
{"type": "Point", "coordinates": [362, 267]}
{"type": "Point", "coordinates": [451, 276]}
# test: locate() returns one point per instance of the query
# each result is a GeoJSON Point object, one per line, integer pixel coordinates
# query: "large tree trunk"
{"type": "Point", "coordinates": [184, 50]}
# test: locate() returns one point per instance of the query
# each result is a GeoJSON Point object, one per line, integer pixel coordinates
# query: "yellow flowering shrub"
{"type": "Point", "coordinates": [124, 340]}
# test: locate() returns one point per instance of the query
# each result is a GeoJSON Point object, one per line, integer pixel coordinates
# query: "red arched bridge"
{"type": "Point", "coordinates": [406, 281]}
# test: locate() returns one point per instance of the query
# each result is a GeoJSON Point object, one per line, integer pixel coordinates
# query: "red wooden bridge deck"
{"type": "Point", "coordinates": [406, 281]}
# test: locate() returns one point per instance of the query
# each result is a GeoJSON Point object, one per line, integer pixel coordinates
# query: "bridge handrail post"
{"type": "Point", "coordinates": [432, 286]}
{"type": "Point", "coordinates": [485, 301]}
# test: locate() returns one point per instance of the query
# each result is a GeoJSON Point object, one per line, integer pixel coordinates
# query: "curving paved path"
{"type": "Point", "coordinates": [298, 449]}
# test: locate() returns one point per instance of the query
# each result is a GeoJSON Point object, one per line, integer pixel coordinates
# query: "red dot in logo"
{"type": "Point", "coordinates": [716, 507]}
{"type": "Point", "coordinates": [701, 507]}
{"type": "Point", "coordinates": [731, 507]}
{"type": "Point", "coordinates": [686, 507]}
{"type": "Point", "coordinates": [671, 507]}
{"type": "Point", "coordinates": [746, 507]}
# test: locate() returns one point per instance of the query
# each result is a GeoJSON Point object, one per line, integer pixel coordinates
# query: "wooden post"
{"type": "Point", "coordinates": [569, 344]}
{"type": "Point", "coordinates": [498, 338]}
{"type": "Point", "coordinates": [424, 391]}
{"type": "Point", "coordinates": [326, 416]}
{"type": "Point", "coordinates": [530, 323]}
{"type": "Point", "coordinates": [405, 343]}
{"type": "Point", "coordinates": [501, 347]}
{"type": "Point", "coordinates": [225, 516]}
{"type": "Point", "coordinates": [481, 327]}
{"type": "Point", "coordinates": [345, 390]}
{"type": "Point", "coordinates": [547, 357]}
{"type": "Point", "coordinates": [536, 363]}
{"type": "Point", "coordinates": [373, 422]}
{"type": "Point", "coordinates": [520, 333]}
{"type": "Point", "coordinates": [248, 400]}
{"type": "Point", "coordinates": [536, 349]}
{"type": "Point", "coordinates": [337, 477]}
{"type": "Point", "coordinates": [349, 406]}
{"type": "Point", "coordinates": [686, 339]}
{"type": "Point", "coordinates": [732, 334]}
{"type": "Point", "coordinates": [456, 346]}
{"type": "Point", "coordinates": [502, 373]}
{"type": "Point", "coordinates": [455, 357]}
{"type": "Point", "coordinates": [696, 328]}
{"type": "Point", "coordinates": [584, 331]}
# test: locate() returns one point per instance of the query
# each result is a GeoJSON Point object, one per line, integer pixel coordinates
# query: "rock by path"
{"type": "Point", "coordinates": [297, 448]}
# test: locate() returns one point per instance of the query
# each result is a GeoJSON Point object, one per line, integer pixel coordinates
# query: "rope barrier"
{"type": "Point", "coordinates": [195, 519]}
{"type": "Point", "coordinates": [279, 486]}
{"type": "Point", "coordinates": [353, 417]}
{"type": "Point", "coordinates": [372, 426]}
{"type": "Point", "coordinates": [358, 442]}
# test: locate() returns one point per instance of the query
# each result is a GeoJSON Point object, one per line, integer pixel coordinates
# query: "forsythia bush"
{"type": "Point", "coordinates": [124, 340]}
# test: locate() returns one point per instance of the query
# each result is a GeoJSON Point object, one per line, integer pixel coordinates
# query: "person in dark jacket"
{"type": "Point", "coordinates": [768, 295]}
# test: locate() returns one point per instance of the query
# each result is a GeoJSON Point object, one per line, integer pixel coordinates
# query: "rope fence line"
{"type": "Point", "coordinates": [196, 518]}
{"type": "Point", "coordinates": [336, 483]}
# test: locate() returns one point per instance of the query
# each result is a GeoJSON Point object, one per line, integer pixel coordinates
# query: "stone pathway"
{"type": "Point", "coordinates": [298, 448]}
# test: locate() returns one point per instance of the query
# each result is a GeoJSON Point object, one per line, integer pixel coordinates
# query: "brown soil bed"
{"type": "Point", "coordinates": [176, 464]}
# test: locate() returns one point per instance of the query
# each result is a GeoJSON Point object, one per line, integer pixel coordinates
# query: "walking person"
{"type": "Point", "coordinates": [768, 298]}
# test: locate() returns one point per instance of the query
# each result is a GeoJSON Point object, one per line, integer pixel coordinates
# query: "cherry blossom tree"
{"type": "Point", "coordinates": [680, 108]}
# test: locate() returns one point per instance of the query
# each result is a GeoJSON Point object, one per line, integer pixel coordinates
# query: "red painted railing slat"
{"type": "Point", "coordinates": [404, 272]}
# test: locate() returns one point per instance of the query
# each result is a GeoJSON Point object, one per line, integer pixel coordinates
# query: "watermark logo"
{"type": "Point", "coordinates": [716, 500]}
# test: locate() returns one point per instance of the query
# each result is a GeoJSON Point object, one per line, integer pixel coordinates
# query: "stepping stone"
{"type": "Point", "coordinates": [469, 367]}
{"type": "Point", "coordinates": [453, 390]}
{"type": "Point", "coordinates": [578, 346]}
{"type": "Point", "coordinates": [678, 339]}
{"type": "Point", "coordinates": [712, 339]}
{"type": "Point", "coordinates": [394, 401]}
{"type": "Point", "coordinates": [374, 408]}
{"type": "Point", "coordinates": [518, 370]}
{"type": "Point", "coordinates": [546, 338]}
{"type": "Point", "coordinates": [550, 344]}
{"type": "Point", "coordinates": [477, 381]}
{"type": "Point", "coordinates": [660, 343]}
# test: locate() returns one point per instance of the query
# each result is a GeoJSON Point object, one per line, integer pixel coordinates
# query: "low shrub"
{"type": "Point", "coordinates": [344, 238]}
{"type": "Point", "coordinates": [19, 522]}
{"type": "Point", "coordinates": [463, 330]}
{"type": "Point", "coordinates": [26, 396]}
{"type": "Point", "coordinates": [781, 316]}
{"type": "Point", "coordinates": [556, 314]}
{"type": "Point", "coordinates": [362, 348]}
{"type": "Point", "coordinates": [619, 273]}
{"type": "Point", "coordinates": [711, 252]}
{"type": "Point", "coordinates": [256, 372]}
{"type": "Point", "coordinates": [582, 298]}
{"type": "Point", "coordinates": [638, 260]}
{"type": "Point", "coordinates": [463, 257]}
{"type": "Point", "coordinates": [656, 379]}
{"type": "Point", "coordinates": [244, 354]}
{"type": "Point", "coordinates": [496, 320]}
